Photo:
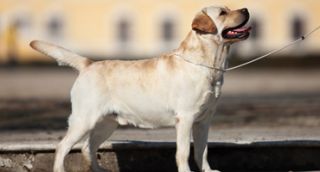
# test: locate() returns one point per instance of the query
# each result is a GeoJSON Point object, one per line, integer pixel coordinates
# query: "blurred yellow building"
{"type": "Point", "coordinates": [144, 28]}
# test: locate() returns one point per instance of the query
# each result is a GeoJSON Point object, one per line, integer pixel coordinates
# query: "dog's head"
{"type": "Point", "coordinates": [223, 24]}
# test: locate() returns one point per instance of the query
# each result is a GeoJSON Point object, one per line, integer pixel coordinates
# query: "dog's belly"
{"type": "Point", "coordinates": [144, 112]}
{"type": "Point", "coordinates": [148, 111]}
{"type": "Point", "coordinates": [152, 120]}
{"type": "Point", "coordinates": [149, 107]}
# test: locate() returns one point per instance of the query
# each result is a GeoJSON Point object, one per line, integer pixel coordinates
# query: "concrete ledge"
{"type": "Point", "coordinates": [126, 156]}
{"type": "Point", "coordinates": [46, 146]}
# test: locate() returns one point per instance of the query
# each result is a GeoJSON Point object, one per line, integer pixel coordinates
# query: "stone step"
{"type": "Point", "coordinates": [157, 156]}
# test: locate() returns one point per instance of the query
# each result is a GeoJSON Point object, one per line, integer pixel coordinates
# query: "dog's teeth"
{"type": "Point", "coordinates": [232, 33]}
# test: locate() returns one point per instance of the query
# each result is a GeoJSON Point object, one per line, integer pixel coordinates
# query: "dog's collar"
{"type": "Point", "coordinates": [199, 64]}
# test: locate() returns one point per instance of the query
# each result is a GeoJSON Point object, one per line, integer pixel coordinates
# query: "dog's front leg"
{"type": "Point", "coordinates": [200, 137]}
{"type": "Point", "coordinates": [183, 128]}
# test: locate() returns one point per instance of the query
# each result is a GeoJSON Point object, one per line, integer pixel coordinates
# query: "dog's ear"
{"type": "Point", "coordinates": [203, 23]}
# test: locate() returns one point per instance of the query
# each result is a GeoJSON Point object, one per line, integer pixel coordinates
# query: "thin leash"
{"type": "Point", "coordinates": [302, 38]}
{"type": "Point", "coordinates": [199, 64]}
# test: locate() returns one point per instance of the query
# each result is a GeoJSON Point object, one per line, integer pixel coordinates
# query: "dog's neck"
{"type": "Point", "coordinates": [204, 49]}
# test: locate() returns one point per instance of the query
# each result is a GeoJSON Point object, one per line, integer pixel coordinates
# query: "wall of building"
{"type": "Point", "coordinates": [143, 28]}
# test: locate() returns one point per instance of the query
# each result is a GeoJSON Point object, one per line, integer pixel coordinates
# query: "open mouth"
{"type": "Point", "coordinates": [239, 32]}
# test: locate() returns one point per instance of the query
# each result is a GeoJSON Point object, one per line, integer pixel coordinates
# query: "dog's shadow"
{"type": "Point", "coordinates": [277, 156]}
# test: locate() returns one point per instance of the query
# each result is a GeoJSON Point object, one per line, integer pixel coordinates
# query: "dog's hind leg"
{"type": "Point", "coordinates": [78, 128]}
{"type": "Point", "coordinates": [97, 136]}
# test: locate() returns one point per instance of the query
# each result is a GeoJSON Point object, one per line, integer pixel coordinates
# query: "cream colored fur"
{"type": "Point", "coordinates": [163, 91]}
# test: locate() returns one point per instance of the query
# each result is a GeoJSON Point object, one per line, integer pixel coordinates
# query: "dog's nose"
{"type": "Point", "coordinates": [244, 11]}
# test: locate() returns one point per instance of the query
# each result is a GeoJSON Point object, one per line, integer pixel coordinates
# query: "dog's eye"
{"type": "Point", "coordinates": [223, 13]}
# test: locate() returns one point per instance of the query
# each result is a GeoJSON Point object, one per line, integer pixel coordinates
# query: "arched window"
{"type": "Point", "coordinates": [124, 31]}
{"type": "Point", "coordinates": [22, 24]}
{"type": "Point", "coordinates": [255, 32]}
{"type": "Point", "coordinates": [168, 30]}
{"type": "Point", "coordinates": [297, 27]}
{"type": "Point", "coordinates": [55, 27]}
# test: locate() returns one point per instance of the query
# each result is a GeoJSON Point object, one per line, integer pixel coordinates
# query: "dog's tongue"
{"type": "Point", "coordinates": [242, 29]}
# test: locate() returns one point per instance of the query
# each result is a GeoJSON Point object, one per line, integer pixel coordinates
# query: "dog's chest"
{"type": "Point", "coordinates": [209, 96]}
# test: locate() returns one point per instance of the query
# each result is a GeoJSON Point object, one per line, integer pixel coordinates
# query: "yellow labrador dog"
{"type": "Point", "coordinates": [180, 89]}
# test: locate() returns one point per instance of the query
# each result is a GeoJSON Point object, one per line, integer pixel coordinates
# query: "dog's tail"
{"type": "Point", "coordinates": [63, 56]}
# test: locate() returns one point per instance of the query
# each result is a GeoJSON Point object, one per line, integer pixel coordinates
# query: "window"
{"type": "Point", "coordinates": [55, 27]}
{"type": "Point", "coordinates": [22, 25]}
{"type": "Point", "coordinates": [124, 31]}
{"type": "Point", "coordinates": [168, 30]}
{"type": "Point", "coordinates": [298, 28]}
{"type": "Point", "coordinates": [255, 32]}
